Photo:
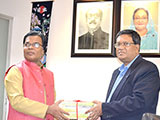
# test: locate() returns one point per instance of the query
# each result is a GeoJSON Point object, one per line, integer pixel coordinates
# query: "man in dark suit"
{"type": "Point", "coordinates": [134, 86]}
{"type": "Point", "coordinates": [95, 38]}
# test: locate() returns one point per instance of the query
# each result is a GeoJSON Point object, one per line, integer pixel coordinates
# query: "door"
{"type": "Point", "coordinates": [4, 33]}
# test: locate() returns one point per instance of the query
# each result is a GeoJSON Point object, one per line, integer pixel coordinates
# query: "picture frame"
{"type": "Point", "coordinates": [86, 41]}
{"type": "Point", "coordinates": [132, 20]}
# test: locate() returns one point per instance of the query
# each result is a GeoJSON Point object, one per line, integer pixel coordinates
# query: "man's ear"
{"type": "Point", "coordinates": [138, 47]}
{"type": "Point", "coordinates": [43, 52]}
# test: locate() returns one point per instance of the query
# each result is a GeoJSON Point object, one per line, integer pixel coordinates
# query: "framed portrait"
{"type": "Point", "coordinates": [94, 28]}
{"type": "Point", "coordinates": [143, 17]}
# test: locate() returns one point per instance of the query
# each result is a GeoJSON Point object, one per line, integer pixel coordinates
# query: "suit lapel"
{"type": "Point", "coordinates": [124, 79]}
{"type": "Point", "coordinates": [114, 77]}
{"type": "Point", "coordinates": [120, 86]}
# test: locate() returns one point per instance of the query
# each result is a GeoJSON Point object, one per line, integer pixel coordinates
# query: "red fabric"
{"type": "Point", "coordinates": [34, 81]}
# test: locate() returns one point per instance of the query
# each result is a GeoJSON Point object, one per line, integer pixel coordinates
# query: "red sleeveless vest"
{"type": "Point", "coordinates": [34, 82]}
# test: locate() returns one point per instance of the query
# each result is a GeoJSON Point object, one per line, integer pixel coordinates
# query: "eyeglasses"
{"type": "Point", "coordinates": [126, 44]}
{"type": "Point", "coordinates": [36, 44]}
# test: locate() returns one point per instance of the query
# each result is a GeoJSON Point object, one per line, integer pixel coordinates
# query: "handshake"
{"type": "Point", "coordinates": [75, 110]}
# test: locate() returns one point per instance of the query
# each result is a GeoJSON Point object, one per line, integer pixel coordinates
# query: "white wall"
{"type": "Point", "coordinates": [75, 78]}
{"type": "Point", "coordinates": [20, 10]}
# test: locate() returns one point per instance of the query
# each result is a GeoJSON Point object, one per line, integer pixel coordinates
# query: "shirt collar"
{"type": "Point", "coordinates": [33, 65]}
{"type": "Point", "coordinates": [123, 67]}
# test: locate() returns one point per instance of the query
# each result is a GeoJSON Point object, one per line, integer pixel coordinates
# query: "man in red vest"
{"type": "Point", "coordinates": [30, 86]}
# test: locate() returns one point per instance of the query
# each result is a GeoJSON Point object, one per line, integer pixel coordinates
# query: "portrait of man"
{"type": "Point", "coordinates": [95, 38]}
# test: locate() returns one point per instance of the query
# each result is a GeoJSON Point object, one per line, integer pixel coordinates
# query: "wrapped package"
{"type": "Point", "coordinates": [76, 109]}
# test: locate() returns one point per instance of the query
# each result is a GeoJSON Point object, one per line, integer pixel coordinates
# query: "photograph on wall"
{"type": "Point", "coordinates": [143, 17]}
{"type": "Point", "coordinates": [40, 19]}
{"type": "Point", "coordinates": [92, 31]}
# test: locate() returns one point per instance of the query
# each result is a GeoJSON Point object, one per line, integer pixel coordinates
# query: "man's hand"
{"type": "Point", "coordinates": [95, 112]}
{"type": "Point", "coordinates": [57, 112]}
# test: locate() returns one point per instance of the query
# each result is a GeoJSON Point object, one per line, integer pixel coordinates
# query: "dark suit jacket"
{"type": "Point", "coordinates": [137, 93]}
{"type": "Point", "coordinates": [100, 40]}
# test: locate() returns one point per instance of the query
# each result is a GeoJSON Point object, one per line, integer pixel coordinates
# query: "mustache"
{"type": "Point", "coordinates": [92, 22]}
